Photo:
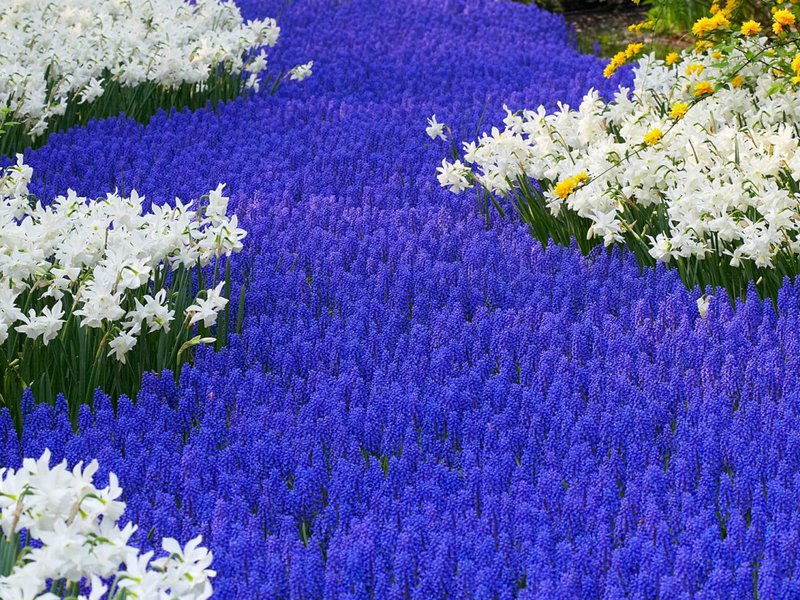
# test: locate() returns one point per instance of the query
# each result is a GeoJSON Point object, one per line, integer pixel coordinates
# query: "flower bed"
{"type": "Point", "coordinates": [420, 405]}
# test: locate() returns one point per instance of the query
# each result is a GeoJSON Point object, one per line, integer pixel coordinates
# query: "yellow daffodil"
{"type": "Point", "coordinates": [640, 27]}
{"type": "Point", "coordinates": [622, 57]}
{"type": "Point", "coordinates": [784, 17]}
{"type": "Point", "coordinates": [702, 46]}
{"type": "Point", "coordinates": [708, 24]}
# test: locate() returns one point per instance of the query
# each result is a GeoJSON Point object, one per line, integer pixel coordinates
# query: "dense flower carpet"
{"type": "Point", "coordinates": [421, 406]}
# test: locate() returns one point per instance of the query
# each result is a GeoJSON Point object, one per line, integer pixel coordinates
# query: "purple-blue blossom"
{"type": "Point", "coordinates": [420, 406]}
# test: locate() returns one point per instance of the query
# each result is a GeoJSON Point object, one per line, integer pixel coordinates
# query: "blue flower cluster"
{"type": "Point", "coordinates": [420, 406]}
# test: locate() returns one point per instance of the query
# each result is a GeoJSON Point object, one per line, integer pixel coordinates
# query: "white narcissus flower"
{"type": "Point", "coordinates": [24, 583]}
{"type": "Point", "coordinates": [206, 310]}
{"type": "Point", "coordinates": [257, 64]}
{"type": "Point", "coordinates": [217, 204]}
{"type": "Point", "coordinates": [92, 91]}
{"type": "Point", "coordinates": [154, 312]}
{"type": "Point", "coordinates": [453, 175]}
{"type": "Point", "coordinates": [435, 129]}
{"type": "Point", "coordinates": [301, 72]}
{"type": "Point", "coordinates": [253, 83]}
{"type": "Point", "coordinates": [8, 307]}
{"type": "Point", "coordinates": [121, 345]}
{"type": "Point", "coordinates": [139, 580]}
{"type": "Point", "coordinates": [661, 248]}
{"type": "Point", "coordinates": [99, 306]}
{"type": "Point", "coordinates": [703, 303]}
{"type": "Point", "coordinates": [606, 225]}
{"type": "Point", "coordinates": [46, 325]}
{"type": "Point", "coordinates": [221, 239]}
{"type": "Point", "coordinates": [186, 569]}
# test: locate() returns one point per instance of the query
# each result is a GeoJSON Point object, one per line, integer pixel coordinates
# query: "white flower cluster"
{"type": "Point", "coordinates": [97, 260]}
{"type": "Point", "coordinates": [75, 524]}
{"type": "Point", "coordinates": [707, 146]}
{"type": "Point", "coordinates": [56, 53]}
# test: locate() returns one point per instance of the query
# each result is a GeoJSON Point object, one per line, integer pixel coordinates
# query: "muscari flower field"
{"type": "Point", "coordinates": [418, 403]}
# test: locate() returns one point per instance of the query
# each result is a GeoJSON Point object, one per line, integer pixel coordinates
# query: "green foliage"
{"type": "Point", "coordinates": [553, 5]}
{"type": "Point", "coordinates": [678, 16]}
{"type": "Point", "coordinates": [9, 553]}
{"type": "Point", "coordinates": [715, 270]}
{"type": "Point", "coordinates": [607, 42]}
{"type": "Point", "coordinates": [577, 5]}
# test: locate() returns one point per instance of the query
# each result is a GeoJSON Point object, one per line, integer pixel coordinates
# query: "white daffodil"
{"type": "Point", "coordinates": [435, 129]}
{"type": "Point", "coordinates": [217, 204]}
{"type": "Point", "coordinates": [301, 72]}
{"type": "Point", "coordinates": [154, 312]}
{"type": "Point", "coordinates": [46, 325]}
{"type": "Point", "coordinates": [703, 303]}
{"type": "Point", "coordinates": [206, 310]}
{"type": "Point", "coordinates": [92, 91]}
{"type": "Point", "coordinates": [121, 345]}
{"type": "Point", "coordinates": [452, 175]}
{"type": "Point", "coordinates": [99, 305]}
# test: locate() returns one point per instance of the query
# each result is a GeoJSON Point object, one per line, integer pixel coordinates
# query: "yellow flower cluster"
{"type": "Point", "coordinates": [706, 25]}
{"type": "Point", "coordinates": [565, 188]}
{"type": "Point", "coordinates": [703, 88]}
{"type": "Point", "coordinates": [796, 68]}
{"type": "Point", "coordinates": [652, 137]}
{"type": "Point", "coordinates": [640, 27]}
{"type": "Point", "coordinates": [703, 45]}
{"type": "Point", "coordinates": [730, 5]}
{"type": "Point", "coordinates": [672, 58]}
{"type": "Point", "coordinates": [679, 110]}
{"type": "Point", "coordinates": [622, 57]}
{"type": "Point", "coordinates": [694, 69]}
{"type": "Point", "coordinates": [750, 28]}
{"type": "Point", "coordinates": [781, 20]}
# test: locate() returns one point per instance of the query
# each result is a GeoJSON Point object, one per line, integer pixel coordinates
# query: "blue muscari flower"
{"type": "Point", "coordinates": [417, 405]}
